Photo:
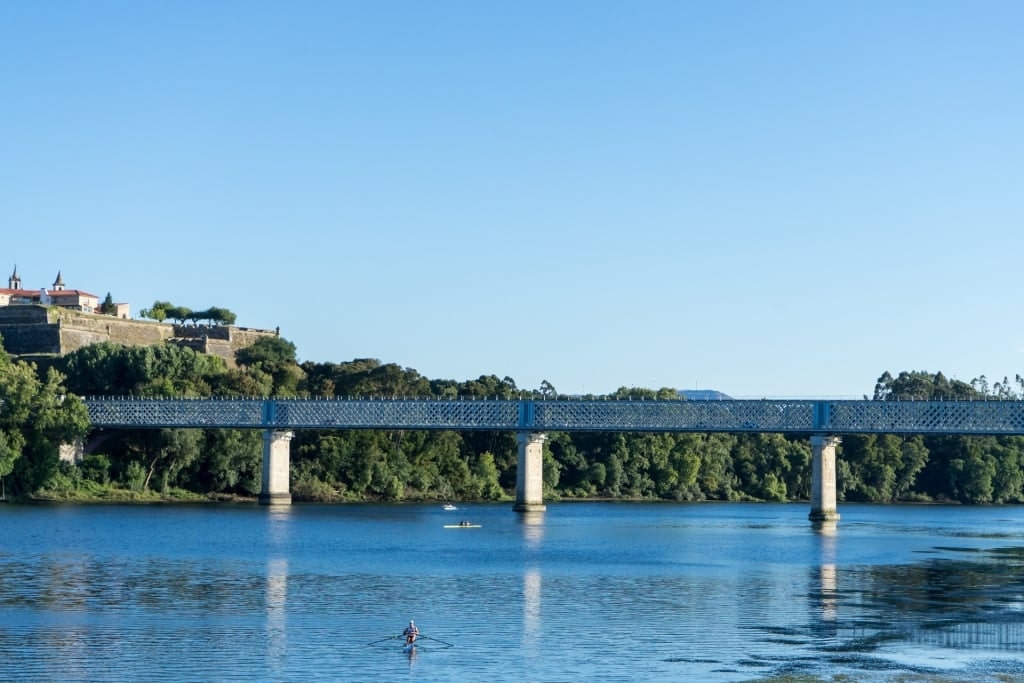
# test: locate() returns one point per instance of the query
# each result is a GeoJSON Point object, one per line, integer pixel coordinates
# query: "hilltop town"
{"type": "Point", "coordinates": [59, 320]}
{"type": "Point", "coordinates": [58, 295]}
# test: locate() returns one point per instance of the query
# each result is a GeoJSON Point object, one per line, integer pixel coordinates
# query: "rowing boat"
{"type": "Point", "coordinates": [411, 648]}
{"type": "Point", "coordinates": [449, 506]}
{"type": "Point", "coordinates": [461, 526]}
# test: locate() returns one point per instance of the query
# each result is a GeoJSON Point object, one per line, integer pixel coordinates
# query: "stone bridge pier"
{"type": "Point", "coordinates": [530, 472]}
{"type": "Point", "coordinates": [276, 465]}
{"type": "Point", "coordinates": [823, 478]}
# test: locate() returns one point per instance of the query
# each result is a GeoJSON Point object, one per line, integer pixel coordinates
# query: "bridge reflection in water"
{"type": "Point", "coordinates": [277, 610]}
{"type": "Point", "coordinates": [823, 421]}
{"type": "Point", "coordinates": [276, 591]}
{"type": "Point", "coordinates": [828, 572]}
{"type": "Point", "coordinates": [532, 525]}
{"type": "Point", "coordinates": [876, 610]}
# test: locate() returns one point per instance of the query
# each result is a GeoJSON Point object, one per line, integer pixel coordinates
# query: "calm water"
{"type": "Point", "coordinates": [596, 592]}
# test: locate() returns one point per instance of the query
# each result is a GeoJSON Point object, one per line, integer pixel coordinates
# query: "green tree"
{"type": "Point", "coordinates": [923, 386]}
{"type": "Point", "coordinates": [159, 370]}
{"type": "Point", "coordinates": [973, 473]}
{"type": "Point", "coordinates": [267, 350]}
{"type": "Point", "coordinates": [158, 311]}
{"type": "Point", "coordinates": [96, 467]}
{"type": "Point", "coordinates": [220, 316]}
{"type": "Point", "coordinates": [1009, 477]}
{"type": "Point", "coordinates": [487, 473]}
{"type": "Point", "coordinates": [574, 470]}
{"type": "Point", "coordinates": [685, 461]}
{"type": "Point", "coordinates": [716, 476]}
{"type": "Point", "coordinates": [229, 462]}
{"type": "Point", "coordinates": [167, 452]}
{"type": "Point", "coordinates": [276, 357]}
{"type": "Point", "coordinates": [108, 307]}
{"type": "Point", "coordinates": [242, 383]}
{"type": "Point", "coordinates": [881, 468]}
{"type": "Point", "coordinates": [179, 313]}
{"type": "Point", "coordinates": [36, 417]}
{"type": "Point", "coordinates": [547, 390]}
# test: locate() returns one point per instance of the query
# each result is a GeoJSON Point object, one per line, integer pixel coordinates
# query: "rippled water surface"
{"type": "Point", "coordinates": [596, 592]}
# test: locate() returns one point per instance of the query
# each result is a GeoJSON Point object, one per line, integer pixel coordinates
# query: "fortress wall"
{"type": "Point", "coordinates": [200, 331]}
{"type": "Point", "coordinates": [22, 339]}
{"type": "Point", "coordinates": [242, 337]}
{"type": "Point", "coordinates": [223, 349]}
{"type": "Point", "coordinates": [26, 329]}
{"type": "Point", "coordinates": [23, 315]}
{"type": "Point", "coordinates": [218, 341]}
{"type": "Point", "coordinates": [51, 330]}
{"type": "Point", "coordinates": [81, 329]}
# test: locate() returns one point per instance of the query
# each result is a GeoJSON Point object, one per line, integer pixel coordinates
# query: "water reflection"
{"type": "Point", "coordinates": [279, 521]}
{"type": "Point", "coordinates": [709, 593]}
{"type": "Point", "coordinates": [279, 518]}
{"type": "Point", "coordinates": [828, 573]}
{"type": "Point", "coordinates": [277, 609]}
{"type": "Point", "coordinates": [951, 602]}
{"type": "Point", "coordinates": [531, 608]}
{"type": "Point", "coordinates": [532, 524]}
{"type": "Point", "coordinates": [533, 528]}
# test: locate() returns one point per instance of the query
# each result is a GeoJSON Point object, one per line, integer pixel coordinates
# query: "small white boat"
{"type": "Point", "coordinates": [450, 507]}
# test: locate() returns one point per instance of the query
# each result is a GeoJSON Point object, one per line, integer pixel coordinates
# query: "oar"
{"type": "Point", "coordinates": [384, 639]}
{"type": "Point", "coordinates": [438, 641]}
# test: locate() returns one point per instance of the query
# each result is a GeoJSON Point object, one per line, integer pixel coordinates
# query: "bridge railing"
{"type": "Point", "coordinates": [767, 416]}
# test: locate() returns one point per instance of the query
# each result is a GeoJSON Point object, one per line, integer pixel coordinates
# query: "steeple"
{"type": "Point", "coordinates": [58, 284]}
{"type": "Point", "coordinates": [14, 282]}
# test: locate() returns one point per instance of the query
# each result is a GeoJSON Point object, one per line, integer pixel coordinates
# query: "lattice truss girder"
{"type": "Point", "coordinates": [243, 413]}
{"type": "Point", "coordinates": [925, 417]}
{"type": "Point", "coordinates": [794, 416]}
{"type": "Point", "coordinates": [302, 413]}
{"type": "Point", "coordinates": [693, 416]}
{"type": "Point", "coordinates": [405, 414]}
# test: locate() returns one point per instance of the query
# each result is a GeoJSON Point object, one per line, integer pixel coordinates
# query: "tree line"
{"type": "Point", "coordinates": [40, 410]}
{"type": "Point", "coordinates": [165, 310]}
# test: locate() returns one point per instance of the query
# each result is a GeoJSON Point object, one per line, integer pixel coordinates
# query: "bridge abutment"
{"type": "Point", "coordinates": [823, 478]}
{"type": "Point", "coordinates": [530, 472]}
{"type": "Point", "coordinates": [276, 465]}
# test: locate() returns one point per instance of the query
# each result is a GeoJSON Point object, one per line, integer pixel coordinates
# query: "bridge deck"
{"type": "Point", "coordinates": [770, 416]}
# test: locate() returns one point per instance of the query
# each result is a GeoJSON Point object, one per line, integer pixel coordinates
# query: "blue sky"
{"type": "Point", "coordinates": [763, 198]}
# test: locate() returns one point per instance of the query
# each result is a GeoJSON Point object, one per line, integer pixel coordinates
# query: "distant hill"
{"type": "Point", "coordinates": [704, 395]}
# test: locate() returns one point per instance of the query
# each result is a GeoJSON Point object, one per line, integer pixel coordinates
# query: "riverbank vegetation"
{"type": "Point", "coordinates": [41, 411]}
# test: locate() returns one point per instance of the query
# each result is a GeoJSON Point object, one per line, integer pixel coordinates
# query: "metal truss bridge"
{"type": "Point", "coordinates": [763, 416]}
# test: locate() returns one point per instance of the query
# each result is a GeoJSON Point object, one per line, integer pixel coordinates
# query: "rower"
{"type": "Point", "coordinates": [410, 633]}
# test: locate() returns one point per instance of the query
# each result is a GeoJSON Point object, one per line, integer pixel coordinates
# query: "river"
{"type": "Point", "coordinates": [581, 592]}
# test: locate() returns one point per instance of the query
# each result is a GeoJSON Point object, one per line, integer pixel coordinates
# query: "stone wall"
{"type": "Point", "coordinates": [82, 329]}
{"type": "Point", "coordinates": [27, 329]}
{"type": "Point", "coordinates": [33, 330]}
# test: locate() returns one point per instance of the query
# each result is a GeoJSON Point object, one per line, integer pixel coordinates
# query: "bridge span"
{"type": "Point", "coordinates": [823, 421]}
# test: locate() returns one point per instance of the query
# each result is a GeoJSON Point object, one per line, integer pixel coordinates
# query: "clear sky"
{"type": "Point", "coordinates": [778, 199]}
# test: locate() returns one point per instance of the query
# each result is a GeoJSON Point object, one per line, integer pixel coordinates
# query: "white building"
{"type": "Point", "coordinates": [57, 295]}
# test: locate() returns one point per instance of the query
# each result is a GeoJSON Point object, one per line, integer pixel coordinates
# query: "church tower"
{"type": "Point", "coordinates": [58, 284]}
{"type": "Point", "coordinates": [14, 282]}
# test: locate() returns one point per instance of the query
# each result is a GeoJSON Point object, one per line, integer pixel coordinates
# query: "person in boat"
{"type": "Point", "coordinates": [411, 633]}
{"type": "Point", "coordinates": [464, 522]}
